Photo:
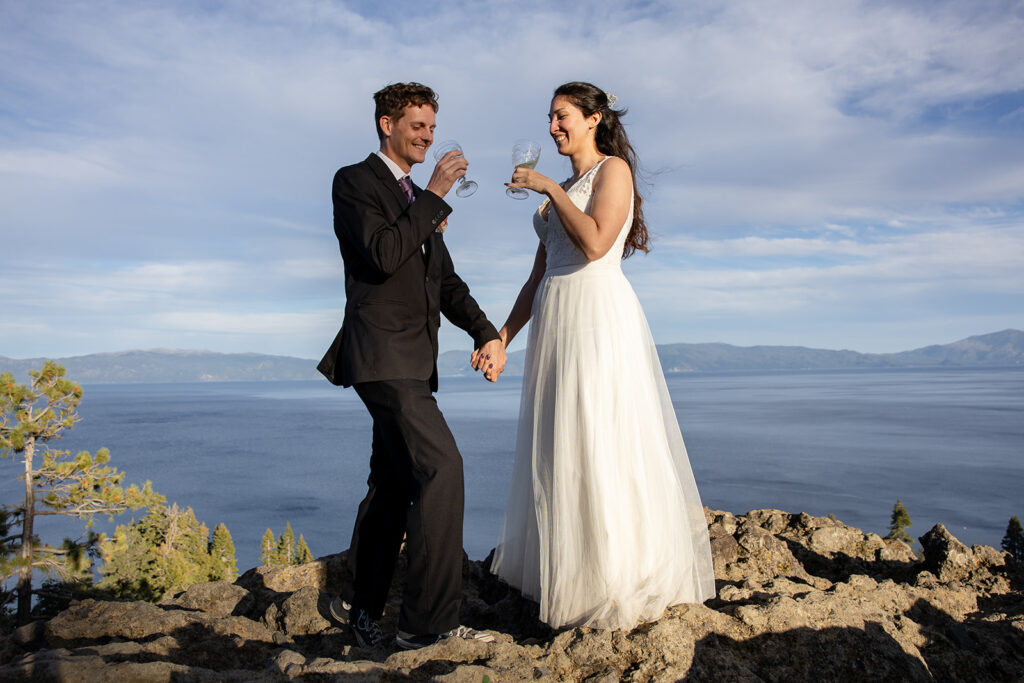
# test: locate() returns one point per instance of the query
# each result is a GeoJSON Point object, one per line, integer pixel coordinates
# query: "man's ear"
{"type": "Point", "coordinates": [385, 125]}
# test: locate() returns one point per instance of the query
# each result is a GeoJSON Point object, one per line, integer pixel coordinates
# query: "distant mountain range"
{"type": "Point", "coordinates": [164, 365]}
{"type": "Point", "coordinates": [999, 349]}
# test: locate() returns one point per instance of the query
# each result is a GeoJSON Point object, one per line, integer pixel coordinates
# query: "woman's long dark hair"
{"type": "Point", "coordinates": [611, 140]}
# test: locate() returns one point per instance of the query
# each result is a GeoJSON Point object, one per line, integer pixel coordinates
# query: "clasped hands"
{"type": "Point", "coordinates": [490, 359]}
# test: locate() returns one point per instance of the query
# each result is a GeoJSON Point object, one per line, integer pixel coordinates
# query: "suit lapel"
{"type": "Point", "coordinates": [386, 177]}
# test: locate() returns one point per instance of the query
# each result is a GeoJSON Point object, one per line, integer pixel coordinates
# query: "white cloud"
{"type": "Point", "coordinates": [954, 275]}
{"type": "Point", "coordinates": [761, 246]}
{"type": "Point", "coordinates": [252, 325]}
{"type": "Point", "coordinates": [175, 160]}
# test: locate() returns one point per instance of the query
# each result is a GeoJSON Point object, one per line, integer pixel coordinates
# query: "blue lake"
{"type": "Point", "coordinates": [949, 443]}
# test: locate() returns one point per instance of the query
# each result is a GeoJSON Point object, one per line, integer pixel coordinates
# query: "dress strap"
{"type": "Point", "coordinates": [585, 180]}
{"type": "Point", "coordinates": [595, 167]}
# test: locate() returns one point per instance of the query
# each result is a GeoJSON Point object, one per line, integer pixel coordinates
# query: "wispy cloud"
{"type": "Point", "coordinates": [165, 169]}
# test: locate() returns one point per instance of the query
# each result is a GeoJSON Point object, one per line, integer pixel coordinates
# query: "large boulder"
{"type": "Point", "coordinates": [330, 573]}
{"type": "Point", "coordinates": [92, 620]}
{"type": "Point", "coordinates": [302, 612]}
{"type": "Point", "coordinates": [945, 556]}
{"type": "Point", "coordinates": [220, 598]}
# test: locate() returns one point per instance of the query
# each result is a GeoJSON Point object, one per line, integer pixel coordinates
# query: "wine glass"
{"type": "Point", "coordinates": [466, 187]}
{"type": "Point", "coordinates": [525, 154]}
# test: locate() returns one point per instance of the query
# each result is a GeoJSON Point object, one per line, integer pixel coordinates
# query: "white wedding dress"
{"type": "Point", "coordinates": [604, 526]}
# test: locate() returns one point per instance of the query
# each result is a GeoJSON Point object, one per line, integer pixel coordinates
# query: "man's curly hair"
{"type": "Point", "coordinates": [392, 100]}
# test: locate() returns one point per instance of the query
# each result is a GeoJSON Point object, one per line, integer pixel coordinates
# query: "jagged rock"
{"type": "Point", "coordinates": [288, 662]}
{"type": "Point", "coordinates": [835, 539]}
{"type": "Point", "coordinates": [295, 666]}
{"type": "Point", "coordinates": [92, 620]}
{"type": "Point", "coordinates": [220, 598]}
{"type": "Point", "coordinates": [896, 551]}
{"type": "Point", "coordinates": [724, 551]}
{"type": "Point", "coordinates": [720, 523]}
{"type": "Point", "coordinates": [239, 629]}
{"type": "Point", "coordinates": [830, 541]}
{"type": "Point", "coordinates": [763, 554]}
{"type": "Point", "coordinates": [29, 633]}
{"type": "Point", "coordinates": [945, 556]}
{"type": "Point", "coordinates": [807, 523]}
{"type": "Point", "coordinates": [329, 573]}
{"type": "Point", "coordinates": [271, 618]}
{"type": "Point", "coordinates": [800, 598]}
{"type": "Point", "coordinates": [989, 557]}
{"type": "Point", "coordinates": [772, 521]}
{"type": "Point", "coordinates": [300, 612]}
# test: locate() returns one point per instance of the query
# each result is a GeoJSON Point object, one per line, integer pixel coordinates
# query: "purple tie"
{"type": "Point", "coordinates": [406, 184]}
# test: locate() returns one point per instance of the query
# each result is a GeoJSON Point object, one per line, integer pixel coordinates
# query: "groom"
{"type": "Point", "coordinates": [399, 279]}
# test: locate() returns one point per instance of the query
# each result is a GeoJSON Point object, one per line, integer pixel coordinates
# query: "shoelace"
{"type": "Point", "coordinates": [374, 634]}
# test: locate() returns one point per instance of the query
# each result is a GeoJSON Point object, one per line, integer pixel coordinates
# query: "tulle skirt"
{"type": "Point", "coordinates": [604, 526]}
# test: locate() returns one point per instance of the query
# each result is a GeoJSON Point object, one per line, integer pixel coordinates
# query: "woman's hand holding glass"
{"type": "Point", "coordinates": [528, 179]}
{"type": "Point", "coordinates": [525, 154]}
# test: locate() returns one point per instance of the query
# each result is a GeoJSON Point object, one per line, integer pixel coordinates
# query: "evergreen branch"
{"type": "Point", "coordinates": [52, 551]}
{"type": "Point", "coordinates": [81, 511]}
{"type": "Point", "coordinates": [47, 565]}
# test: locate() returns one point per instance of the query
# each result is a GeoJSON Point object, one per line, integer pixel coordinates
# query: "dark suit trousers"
{"type": "Point", "coordinates": [416, 489]}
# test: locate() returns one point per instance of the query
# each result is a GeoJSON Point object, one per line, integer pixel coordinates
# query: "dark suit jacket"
{"type": "Point", "coordinates": [395, 292]}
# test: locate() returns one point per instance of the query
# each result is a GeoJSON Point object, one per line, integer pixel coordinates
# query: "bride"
{"type": "Point", "coordinates": [604, 525]}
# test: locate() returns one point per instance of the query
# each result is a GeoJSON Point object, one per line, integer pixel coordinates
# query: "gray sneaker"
{"type": "Point", "coordinates": [410, 641]}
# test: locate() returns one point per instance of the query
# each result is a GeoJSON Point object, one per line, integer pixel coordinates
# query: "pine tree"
{"type": "Point", "coordinates": [55, 484]}
{"type": "Point", "coordinates": [224, 566]}
{"type": "Point", "coordinates": [130, 564]}
{"type": "Point", "coordinates": [286, 547]}
{"type": "Point", "coordinates": [184, 554]}
{"type": "Point", "coordinates": [1013, 541]}
{"type": "Point", "coordinates": [302, 552]}
{"type": "Point", "coordinates": [167, 550]}
{"type": "Point", "coordinates": [268, 550]}
{"type": "Point", "coordinates": [284, 552]}
{"type": "Point", "coordinates": [898, 523]}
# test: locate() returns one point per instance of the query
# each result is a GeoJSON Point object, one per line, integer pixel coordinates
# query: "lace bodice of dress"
{"type": "Point", "coordinates": [560, 249]}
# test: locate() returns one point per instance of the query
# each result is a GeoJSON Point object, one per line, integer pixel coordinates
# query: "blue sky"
{"type": "Point", "coordinates": [828, 174]}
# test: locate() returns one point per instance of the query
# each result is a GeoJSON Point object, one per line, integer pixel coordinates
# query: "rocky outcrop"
{"type": "Point", "coordinates": [799, 598]}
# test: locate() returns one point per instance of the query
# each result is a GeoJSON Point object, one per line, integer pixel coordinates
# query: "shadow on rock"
{"type": "Point", "coordinates": [805, 654]}
{"type": "Point", "coordinates": [491, 604]}
{"type": "Point", "coordinates": [978, 648]}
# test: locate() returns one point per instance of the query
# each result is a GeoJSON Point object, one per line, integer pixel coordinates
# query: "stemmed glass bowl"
{"type": "Point", "coordinates": [466, 187]}
{"type": "Point", "coordinates": [525, 154]}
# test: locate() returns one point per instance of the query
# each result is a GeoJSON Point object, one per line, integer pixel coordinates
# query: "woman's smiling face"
{"type": "Point", "coordinates": [569, 128]}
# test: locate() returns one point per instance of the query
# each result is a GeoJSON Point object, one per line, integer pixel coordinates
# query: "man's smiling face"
{"type": "Point", "coordinates": [406, 140]}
